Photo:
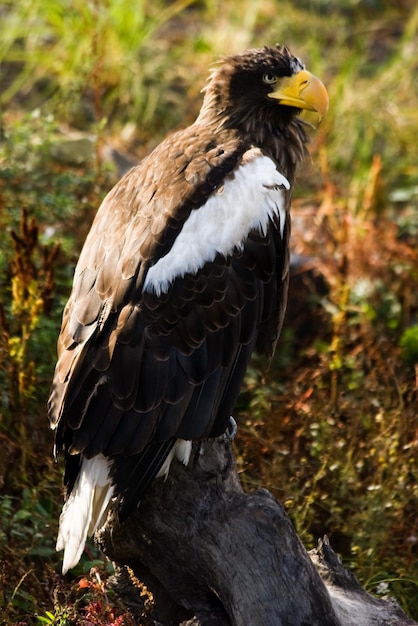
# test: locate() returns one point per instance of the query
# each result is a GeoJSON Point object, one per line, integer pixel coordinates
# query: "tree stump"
{"type": "Point", "coordinates": [212, 555]}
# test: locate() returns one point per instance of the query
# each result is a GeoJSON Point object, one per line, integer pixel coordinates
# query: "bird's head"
{"type": "Point", "coordinates": [261, 92]}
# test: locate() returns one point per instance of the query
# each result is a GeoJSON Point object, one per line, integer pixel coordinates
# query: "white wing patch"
{"type": "Point", "coordinates": [245, 202]}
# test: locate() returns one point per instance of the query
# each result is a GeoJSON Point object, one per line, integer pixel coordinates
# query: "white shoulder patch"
{"type": "Point", "coordinates": [246, 201]}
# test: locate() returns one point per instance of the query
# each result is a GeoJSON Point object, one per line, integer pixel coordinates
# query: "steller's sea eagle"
{"type": "Point", "coordinates": [183, 275]}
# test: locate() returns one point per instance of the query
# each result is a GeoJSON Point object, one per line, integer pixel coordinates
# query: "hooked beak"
{"type": "Point", "coordinates": [302, 91]}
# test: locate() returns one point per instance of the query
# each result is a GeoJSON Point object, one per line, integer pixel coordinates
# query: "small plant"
{"type": "Point", "coordinates": [32, 286]}
{"type": "Point", "coordinates": [409, 345]}
{"type": "Point", "coordinates": [89, 603]}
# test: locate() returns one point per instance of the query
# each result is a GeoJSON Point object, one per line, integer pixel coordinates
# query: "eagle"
{"type": "Point", "coordinates": [183, 275]}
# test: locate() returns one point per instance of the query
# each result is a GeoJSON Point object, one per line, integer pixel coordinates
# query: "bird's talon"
{"type": "Point", "coordinates": [232, 428]}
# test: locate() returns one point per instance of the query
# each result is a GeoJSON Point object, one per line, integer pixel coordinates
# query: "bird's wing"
{"type": "Point", "coordinates": [136, 223]}
{"type": "Point", "coordinates": [181, 268]}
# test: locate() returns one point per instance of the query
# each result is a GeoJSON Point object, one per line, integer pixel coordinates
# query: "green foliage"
{"type": "Point", "coordinates": [98, 49]}
{"type": "Point", "coordinates": [25, 530]}
{"type": "Point", "coordinates": [330, 430]}
{"type": "Point", "coordinates": [24, 522]}
{"type": "Point", "coordinates": [409, 344]}
{"type": "Point", "coordinates": [33, 211]}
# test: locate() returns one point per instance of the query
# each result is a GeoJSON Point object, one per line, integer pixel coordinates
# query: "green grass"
{"type": "Point", "coordinates": [331, 429]}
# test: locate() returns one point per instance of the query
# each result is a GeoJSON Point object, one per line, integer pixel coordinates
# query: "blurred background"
{"type": "Point", "coordinates": [87, 88]}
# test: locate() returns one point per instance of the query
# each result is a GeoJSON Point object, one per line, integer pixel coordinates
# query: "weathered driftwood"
{"type": "Point", "coordinates": [212, 555]}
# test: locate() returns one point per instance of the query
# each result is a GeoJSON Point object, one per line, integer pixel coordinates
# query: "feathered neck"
{"type": "Point", "coordinates": [276, 130]}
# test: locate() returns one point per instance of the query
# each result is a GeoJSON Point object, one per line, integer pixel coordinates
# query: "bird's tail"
{"type": "Point", "coordinates": [85, 509]}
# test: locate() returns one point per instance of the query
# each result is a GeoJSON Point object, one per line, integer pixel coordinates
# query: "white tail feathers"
{"type": "Point", "coordinates": [84, 511]}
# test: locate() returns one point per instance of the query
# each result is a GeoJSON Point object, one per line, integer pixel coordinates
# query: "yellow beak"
{"type": "Point", "coordinates": [303, 91]}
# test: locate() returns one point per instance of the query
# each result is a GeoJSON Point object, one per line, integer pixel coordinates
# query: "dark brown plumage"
{"type": "Point", "coordinates": [183, 274]}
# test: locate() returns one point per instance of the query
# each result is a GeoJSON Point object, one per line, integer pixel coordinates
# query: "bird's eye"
{"type": "Point", "coordinates": [269, 78]}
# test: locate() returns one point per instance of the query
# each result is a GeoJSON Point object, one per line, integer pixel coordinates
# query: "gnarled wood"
{"type": "Point", "coordinates": [214, 555]}
{"type": "Point", "coordinates": [352, 605]}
